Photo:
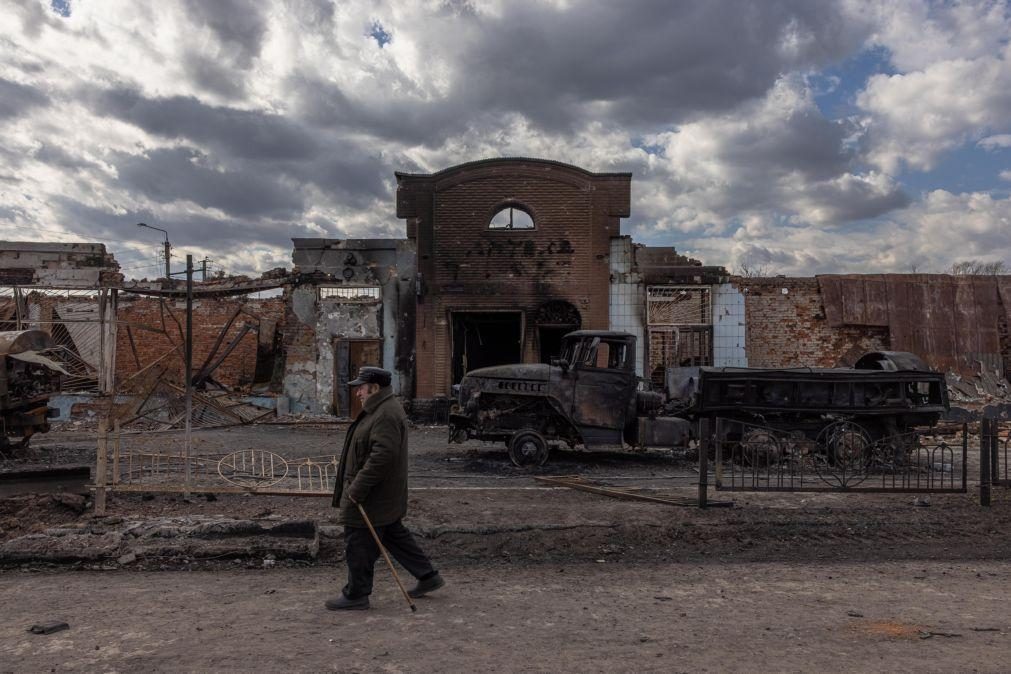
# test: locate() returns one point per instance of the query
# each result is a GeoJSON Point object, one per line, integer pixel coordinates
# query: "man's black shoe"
{"type": "Point", "coordinates": [425, 586]}
{"type": "Point", "coordinates": [342, 603]}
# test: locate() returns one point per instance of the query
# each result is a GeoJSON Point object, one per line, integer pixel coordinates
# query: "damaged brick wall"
{"type": "Point", "coordinates": [790, 329]}
{"type": "Point", "coordinates": [465, 266]}
{"type": "Point", "coordinates": [147, 331]}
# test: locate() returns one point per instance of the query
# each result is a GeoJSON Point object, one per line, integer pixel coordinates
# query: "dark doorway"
{"type": "Point", "coordinates": [349, 356]}
{"type": "Point", "coordinates": [483, 339]}
{"type": "Point", "coordinates": [550, 339]}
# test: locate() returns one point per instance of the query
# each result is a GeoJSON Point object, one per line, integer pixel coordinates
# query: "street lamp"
{"type": "Point", "coordinates": [168, 247]}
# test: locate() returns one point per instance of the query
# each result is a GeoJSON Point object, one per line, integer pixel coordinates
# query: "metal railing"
{"type": "Point", "coordinates": [841, 456]}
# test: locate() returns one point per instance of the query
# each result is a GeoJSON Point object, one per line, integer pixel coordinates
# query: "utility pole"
{"type": "Point", "coordinates": [203, 269]}
{"type": "Point", "coordinates": [168, 248]}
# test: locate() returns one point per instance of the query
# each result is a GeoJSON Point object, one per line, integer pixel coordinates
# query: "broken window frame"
{"type": "Point", "coordinates": [351, 294]}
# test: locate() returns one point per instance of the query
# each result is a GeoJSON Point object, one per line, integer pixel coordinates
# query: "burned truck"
{"type": "Point", "coordinates": [590, 395]}
{"type": "Point", "coordinates": [27, 380]}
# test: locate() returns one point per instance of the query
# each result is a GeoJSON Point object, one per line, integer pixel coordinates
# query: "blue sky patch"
{"type": "Point", "coordinates": [380, 34]}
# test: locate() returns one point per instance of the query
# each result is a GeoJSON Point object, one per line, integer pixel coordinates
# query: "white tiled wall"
{"type": "Point", "coordinates": [627, 299]}
{"type": "Point", "coordinates": [728, 327]}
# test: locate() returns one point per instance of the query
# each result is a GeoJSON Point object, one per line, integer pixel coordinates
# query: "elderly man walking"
{"type": "Point", "coordinates": [373, 473]}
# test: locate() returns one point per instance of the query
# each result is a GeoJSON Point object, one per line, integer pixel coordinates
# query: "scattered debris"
{"type": "Point", "coordinates": [929, 635]}
{"type": "Point", "coordinates": [627, 493]}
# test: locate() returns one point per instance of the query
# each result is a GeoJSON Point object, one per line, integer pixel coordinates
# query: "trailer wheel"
{"type": "Point", "coordinates": [848, 445]}
{"type": "Point", "coordinates": [528, 449]}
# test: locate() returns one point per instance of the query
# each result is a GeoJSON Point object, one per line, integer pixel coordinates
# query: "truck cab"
{"type": "Point", "coordinates": [600, 368]}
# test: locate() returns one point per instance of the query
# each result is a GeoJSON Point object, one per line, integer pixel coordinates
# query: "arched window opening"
{"type": "Point", "coordinates": [511, 217]}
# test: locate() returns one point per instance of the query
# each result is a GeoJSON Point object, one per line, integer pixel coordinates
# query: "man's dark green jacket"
{"type": "Point", "coordinates": [373, 465]}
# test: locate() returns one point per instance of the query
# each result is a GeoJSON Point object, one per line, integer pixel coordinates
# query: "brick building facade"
{"type": "Point", "coordinates": [511, 253]}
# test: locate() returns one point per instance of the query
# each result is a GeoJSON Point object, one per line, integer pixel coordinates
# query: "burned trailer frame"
{"type": "Point", "coordinates": [879, 401]}
{"type": "Point", "coordinates": [27, 379]}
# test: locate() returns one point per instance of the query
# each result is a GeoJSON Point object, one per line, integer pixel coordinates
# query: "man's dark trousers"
{"type": "Point", "coordinates": [361, 553]}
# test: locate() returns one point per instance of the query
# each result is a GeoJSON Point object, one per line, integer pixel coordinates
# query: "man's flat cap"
{"type": "Point", "coordinates": [372, 375]}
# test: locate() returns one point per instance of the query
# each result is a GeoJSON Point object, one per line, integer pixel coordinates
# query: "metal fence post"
{"type": "Point", "coordinates": [985, 426]}
{"type": "Point", "coordinates": [703, 463]}
{"type": "Point", "coordinates": [965, 458]}
{"type": "Point", "coordinates": [188, 357]}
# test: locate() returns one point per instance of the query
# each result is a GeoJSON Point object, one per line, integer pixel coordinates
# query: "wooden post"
{"type": "Point", "coordinates": [704, 441]}
{"type": "Point", "coordinates": [115, 452]}
{"type": "Point", "coordinates": [100, 467]}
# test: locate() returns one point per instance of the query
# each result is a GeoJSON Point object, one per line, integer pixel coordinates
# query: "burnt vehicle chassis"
{"type": "Point", "coordinates": [591, 396]}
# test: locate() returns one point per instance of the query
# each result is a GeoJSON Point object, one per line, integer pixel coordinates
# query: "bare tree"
{"type": "Point", "coordinates": [978, 268]}
{"type": "Point", "coordinates": [748, 268]}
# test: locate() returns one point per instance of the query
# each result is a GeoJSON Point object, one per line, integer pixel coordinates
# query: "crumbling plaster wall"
{"type": "Point", "coordinates": [65, 265]}
{"type": "Point", "coordinates": [314, 323]}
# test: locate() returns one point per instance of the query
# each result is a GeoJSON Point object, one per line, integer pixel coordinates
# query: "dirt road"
{"type": "Point", "coordinates": [541, 579]}
{"type": "Point", "coordinates": [894, 616]}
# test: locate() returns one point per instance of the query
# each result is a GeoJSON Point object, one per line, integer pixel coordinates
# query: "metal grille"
{"type": "Point", "coordinates": [682, 346]}
{"type": "Point", "coordinates": [351, 293]}
{"type": "Point", "coordinates": [678, 305]}
{"type": "Point", "coordinates": [679, 329]}
{"type": "Point", "coordinates": [842, 457]}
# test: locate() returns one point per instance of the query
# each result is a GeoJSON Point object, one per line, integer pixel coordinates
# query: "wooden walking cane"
{"type": "Point", "coordinates": [389, 562]}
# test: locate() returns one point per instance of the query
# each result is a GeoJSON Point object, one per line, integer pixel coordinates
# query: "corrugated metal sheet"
{"type": "Point", "coordinates": [950, 321]}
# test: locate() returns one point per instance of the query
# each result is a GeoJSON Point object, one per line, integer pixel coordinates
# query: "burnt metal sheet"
{"type": "Point", "coordinates": [950, 321]}
{"type": "Point", "coordinates": [854, 300]}
{"type": "Point", "coordinates": [20, 341]}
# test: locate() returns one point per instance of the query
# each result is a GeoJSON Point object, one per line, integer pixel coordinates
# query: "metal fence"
{"type": "Point", "coordinates": [994, 447]}
{"type": "Point", "coordinates": [842, 457]}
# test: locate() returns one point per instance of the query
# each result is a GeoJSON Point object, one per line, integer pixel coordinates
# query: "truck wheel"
{"type": "Point", "coordinates": [528, 449]}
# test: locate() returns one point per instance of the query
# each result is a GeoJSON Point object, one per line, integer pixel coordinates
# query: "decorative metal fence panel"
{"type": "Point", "coordinates": [842, 456]}
{"type": "Point", "coordinates": [157, 462]}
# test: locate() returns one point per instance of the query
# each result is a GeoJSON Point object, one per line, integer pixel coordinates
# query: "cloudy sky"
{"type": "Point", "coordinates": [798, 137]}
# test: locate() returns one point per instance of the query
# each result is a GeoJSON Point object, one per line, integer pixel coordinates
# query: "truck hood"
{"type": "Point", "coordinates": [524, 371]}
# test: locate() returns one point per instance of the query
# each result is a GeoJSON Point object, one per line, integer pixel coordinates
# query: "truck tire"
{"type": "Point", "coordinates": [528, 449]}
